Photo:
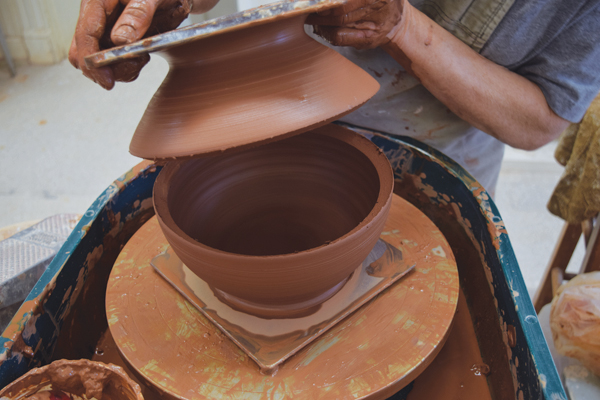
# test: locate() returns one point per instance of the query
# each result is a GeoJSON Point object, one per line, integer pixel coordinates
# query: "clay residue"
{"type": "Point", "coordinates": [495, 224]}
{"type": "Point", "coordinates": [387, 263]}
{"type": "Point", "coordinates": [13, 339]}
{"type": "Point", "coordinates": [107, 352]}
{"type": "Point", "coordinates": [458, 372]}
{"type": "Point", "coordinates": [81, 377]}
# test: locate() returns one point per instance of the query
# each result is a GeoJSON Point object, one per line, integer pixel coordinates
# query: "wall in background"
{"type": "Point", "coordinates": [223, 7]}
{"type": "Point", "coordinates": [246, 4]}
{"type": "Point", "coordinates": [38, 31]}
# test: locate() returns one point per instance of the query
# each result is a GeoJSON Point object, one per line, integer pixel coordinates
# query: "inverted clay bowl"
{"type": "Point", "coordinates": [248, 86]}
{"type": "Point", "coordinates": [81, 378]}
{"type": "Point", "coordinates": [275, 230]}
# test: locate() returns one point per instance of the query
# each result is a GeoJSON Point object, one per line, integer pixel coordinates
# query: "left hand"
{"type": "Point", "coordinates": [363, 24]}
{"type": "Point", "coordinates": [104, 24]}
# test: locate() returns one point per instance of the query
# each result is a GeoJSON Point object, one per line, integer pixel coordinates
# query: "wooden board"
{"type": "Point", "coordinates": [371, 354]}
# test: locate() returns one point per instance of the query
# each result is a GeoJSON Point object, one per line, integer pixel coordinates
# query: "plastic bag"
{"type": "Point", "coordinates": [575, 320]}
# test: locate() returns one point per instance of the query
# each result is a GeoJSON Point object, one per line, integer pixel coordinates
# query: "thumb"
{"type": "Point", "coordinates": [133, 22]}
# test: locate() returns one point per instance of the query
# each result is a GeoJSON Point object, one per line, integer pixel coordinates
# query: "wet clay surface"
{"type": "Point", "coordinates": [474, 282]}
{"type": "Point", "coordinates": [280, 224]}
{"type": "Point", "coordinates": [107, 352]}
{"type": "Point", "coordinates": [458, 372]}
{"type": "Point", "coordinates": [371, 354]}
{"type": "Point", "coordinates": [77, 377]}
{"type": "Point", "coordinates": [248, 87]}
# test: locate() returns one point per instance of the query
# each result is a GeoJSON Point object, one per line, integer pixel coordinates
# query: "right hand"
{"type": "Point", "coordinates": [362, 24]}
{"type": "Point", "coordinates": [104, 24]}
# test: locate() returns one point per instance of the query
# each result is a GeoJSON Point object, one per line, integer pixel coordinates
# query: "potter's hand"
{"type": "Point", "coordinates": [106, 23]}
{"type": "Point", "coordinates": [363, 24]}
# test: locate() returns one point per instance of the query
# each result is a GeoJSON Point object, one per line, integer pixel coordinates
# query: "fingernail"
{"type": "Point", "coordinates": [104, 77]}
{"type": "Point", "coordinates": [125, 33]}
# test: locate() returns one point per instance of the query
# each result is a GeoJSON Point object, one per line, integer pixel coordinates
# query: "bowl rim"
{"type": "Point", "coordinates": [373, 153]}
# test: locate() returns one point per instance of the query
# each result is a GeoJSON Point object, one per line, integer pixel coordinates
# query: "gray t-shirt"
{"type": "Point", "coordinates": [553, 43]}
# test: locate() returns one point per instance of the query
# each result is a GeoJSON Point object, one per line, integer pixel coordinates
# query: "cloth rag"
{"type": "Point", "coordinates": [576, 197]}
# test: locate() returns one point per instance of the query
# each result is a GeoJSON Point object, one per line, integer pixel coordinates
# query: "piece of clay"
{"type": "Point", "coordinates": [87, 378]}
{"type": "Point", "coordinates": [282, 224]}
{"type": "Point", "coordinates": [249, 86]}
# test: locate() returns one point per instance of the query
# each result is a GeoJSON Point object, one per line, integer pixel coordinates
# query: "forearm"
{"type": "Point", "coordinates": [488, 96]}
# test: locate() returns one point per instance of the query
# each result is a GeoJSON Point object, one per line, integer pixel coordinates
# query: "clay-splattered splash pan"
{"type": "Point", "coordinates": [372, 353]}
{"type": "Point", "coordinates": [242, 80]}
{"type": "Point", "coordinates": [270, 342]}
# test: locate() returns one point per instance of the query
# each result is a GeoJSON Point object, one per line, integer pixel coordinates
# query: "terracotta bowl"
{"type": "Point", "coordinates": [247, 86]}
{"type": "Point", "coordinates": [277, 229]}
{"type": "Point", "coordinates": [76, 377]}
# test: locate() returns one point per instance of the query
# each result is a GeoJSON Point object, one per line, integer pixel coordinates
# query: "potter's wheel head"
{"type": "Point", "coordinates": [244, 83]}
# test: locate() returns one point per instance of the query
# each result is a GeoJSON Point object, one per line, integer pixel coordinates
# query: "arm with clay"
{"type": "Point", "coordinates": [490, 97]}
{"type": "Point", "coordinates": [107, 23]}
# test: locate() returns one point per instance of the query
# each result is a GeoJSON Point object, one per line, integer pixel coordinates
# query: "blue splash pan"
{"type": "Point", "coordinates": [64, 315]}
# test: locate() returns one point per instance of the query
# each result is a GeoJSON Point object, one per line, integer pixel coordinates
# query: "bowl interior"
{"type": "Point", "coordinates": [285, 197]}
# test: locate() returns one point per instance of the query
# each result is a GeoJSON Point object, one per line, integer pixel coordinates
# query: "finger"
{"type": "Point", "coordinates": [353, 5]}
{"type": "Point", "coordinates": [169, 15]}
{"type": "Point", "coordinates": [73, 54]}
{"type": "Point", "coordinates": [134, 21]}
{"type": "Point", "coordinates": [129, 70]}
{"type": "Point", "coordinates": [357, 38]}
{"type": "Point", "coordinates": [89, 31]}
{"type": "Point", "coordinates": [339, 20]}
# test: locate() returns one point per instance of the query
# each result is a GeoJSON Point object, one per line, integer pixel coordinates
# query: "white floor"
{"type": "Point", "coordinates": [63, 140]}
{"type": "Point", "coordinates": [527, 180]}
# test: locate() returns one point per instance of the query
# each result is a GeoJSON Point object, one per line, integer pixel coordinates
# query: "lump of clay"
{"type": "Point", "coordinates": [575, 320]}
{"type": "Point", "coordinates": [248, 86]}
{"type": "Point", "coordinates": [81, 378]}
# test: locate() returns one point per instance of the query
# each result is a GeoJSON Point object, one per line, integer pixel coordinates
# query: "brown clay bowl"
{"type": "Point", "coordinates": [87, 378]}
{"type": "Point", "coordinates": [277, 229]}
{"type": "Point", "coordinates": [248, 86]}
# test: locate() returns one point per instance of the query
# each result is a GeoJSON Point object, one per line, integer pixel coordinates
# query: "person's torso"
{"type": "Point", "coordinates": [404, 107]}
